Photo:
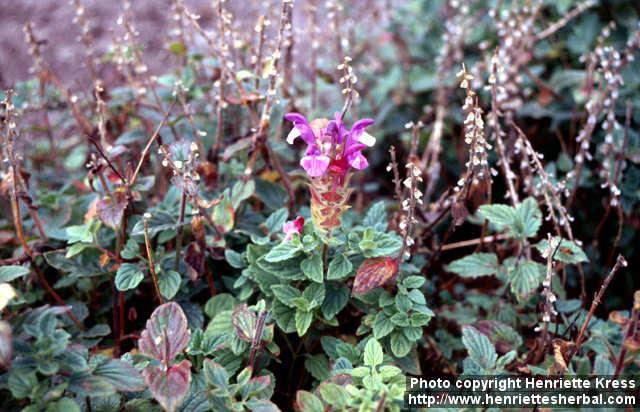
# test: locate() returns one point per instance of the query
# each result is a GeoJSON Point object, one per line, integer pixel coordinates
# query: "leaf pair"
{"type": "Point", "coordinates": [164, 338]}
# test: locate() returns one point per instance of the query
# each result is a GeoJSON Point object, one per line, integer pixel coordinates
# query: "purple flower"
{"type": "Point", "coordinates": [329, 142]}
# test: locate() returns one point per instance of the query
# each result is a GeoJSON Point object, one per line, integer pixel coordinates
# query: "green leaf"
{"type": "Point", "coordinates": [123, 376]}
{"type": "Point", "coordinates": [339, 268]}
{"type": "Point", "coordinates": [479, 347]}
{"type": "Point", "coordinates": [241, 191]}
{"type": "Point", "coordinates": [376, 217]}
{"type": "Point", "coordinates": [286, 294]}
{"type": "Point", "coordinates": [234, 259]}
{"type": "Point", "coordinates": [528, 218]}
{"type": "Point", "coordinates": [276, 220]}
{"type": "Point", "coordinates": [303, 321]}
{"type": "Point", "coordinates": [220, 302]}
{"type": "Point", "coordinates": [475, 265]}
{"type": "Point", "coordinates": [568, 251]}
{"type": "Point", "coordinates": [283, 251]}
{"type": "Point", "coordinates": [128, 276]}
{"type": "Point", "coordinates": [382, 326]}
{"type": "Point", "coordinates": [336, 298]}
{"type": "Point", "coordinates": [76, 248]}
{"type": "Point", "coordinates": [400, 345]}
{"type": "Point", "coordinates": [525, 278]}
{"type": "Point", "coordinates": [169, 283]}
{"type": "Point", "coordinates": [334, 394]}
{"type": "Point", "coordinates": [312, 268]}
{"type": "Point", "coordinates": [215, 374]}
{"type": "Point", "coordinates": [308, 402]}
{"type": "Point", "coordinates": [373, 355]}
{"type": "Point", "coordinates": [389, 371]}
{"type": "Point", "coordinates": [318, 366]}
{"type": "Point", "coordinates": [499, 215]}
{"type": "Point", "coordinates": [130, 250]}
{"type": "Point", "coordinates": [413, 282]}
{"type": "Point", "coordinates": [63, 405]}
{"type": "Point", "coordinates": [285, 317]}
{"type": "Point", "coordinates": [22, 383]}
{"type": "Point", "coordinates": [9, 273]}
{"type": "Point", "coordinates": [80, 233]}
{"type": "Point", "coordinates": [314, 293]}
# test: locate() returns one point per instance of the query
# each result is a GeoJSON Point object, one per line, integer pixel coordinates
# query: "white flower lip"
{"type": "Point", "coordinates": [292, 135]}
{"type": "Point", "coordinates": [367, 139]}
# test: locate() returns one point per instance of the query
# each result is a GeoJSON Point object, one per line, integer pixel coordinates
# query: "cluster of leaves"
{"type": "Point", "coordinates": [189, 238]}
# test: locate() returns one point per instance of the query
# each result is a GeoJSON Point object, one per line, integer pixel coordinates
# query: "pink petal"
{"type": "Point", "coordinates": [315, 165]}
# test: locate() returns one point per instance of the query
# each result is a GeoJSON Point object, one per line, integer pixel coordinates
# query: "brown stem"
{"type": "Point", "coordinates": [256, 342]}
{"type": "Point", "coordinates": [183, 202]}
{"type": "Point", "coordinates": [620, 262]}
{"type": "Point", "coordinates": [152, 267]}
{"type": "Point", "coordinates": [149, 143]}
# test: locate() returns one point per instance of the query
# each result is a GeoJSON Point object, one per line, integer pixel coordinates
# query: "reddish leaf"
{"type": "Point", "coordinates": [373, 273]}
{"type": "Point", "coordinates": [169, 386]}
{"type": "Point", "coordinates": [111, 209]}
{"type": "Point", "coordinates": [166, 334]}
{"type": "Point", "coordinates": [194, 258]}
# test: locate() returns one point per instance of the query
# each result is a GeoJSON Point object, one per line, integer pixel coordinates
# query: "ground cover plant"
{"type": "Point", "coordinates": [317, 199]}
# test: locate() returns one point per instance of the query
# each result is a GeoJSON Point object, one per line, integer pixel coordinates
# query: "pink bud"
{"type": "Point", "coordinates": [292, 227]}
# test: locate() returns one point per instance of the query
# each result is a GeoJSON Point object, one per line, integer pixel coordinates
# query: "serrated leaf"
{"type": "Point", "coordinates": [382, 326]}
{"type": "Point", "coordinates": [317, 366]}
{"type": "Point", "coordinates": [339, 268]}
{"type": "Point", "coordinates": [334, 394]}
{"type": "Point", "coordinates": [308, 402]}
{"type": "Point", "coordinates": [166, 333]}
{"type": "Point", "coordinates": [479, 348]}
{"type": "Point", "coordinates": [525, 278]}
{"type": "Point", "coordinates": [336, 298]}
{"type": "Point", "coordinates": [12, 272]}
{"type": "Point", "coordinates": [499, 215]}
{"type": "Point", "coordinates": [169, 386]}
{"type": "Point", "coordinates": [215, 374]}
{"type": "Point", "coordinates": [413, 282]}
{"type": "Point", "coordinates": [286, 294]}
{"type": "Point", "coordinates": [128, 276]}
{"type": "Point", "coordinates": [373, 273]}
{"type": "Point", "coordinates": [123, 376]}
{"type": "Point", "coordinates": [400, 345]}
{"type": "Point", "coordinates": [312, 268]}
{"type": "Point", "coordinates": [275, 221]}
{"type": "Point", "coordinates": [376, 217]}
{"type": "Point", "coordinates": [528, 218]}
{"type": "Point", "coordinates": [283, 251]}
{"type": "Point", "coordinates": [303, 321]}
{"type": "Point", "coordinates": [314, 294]}
{"type": "Point", "coordinates": [130, 250]}
{"type": "Point", "coordinates": [220, 302]}
{"type": "Point", "coordinates": [111, 209]}
{"type": "Point", "coordinates": [475, 265]}
{"type": "Point", "coordinates": [244, 322]}
{"type": "Point", "coordinates": [169, 283]}
{"type": "Point", "coordinates": [373, 355]}
{"type": "Point", "coordinates": [568, 251]}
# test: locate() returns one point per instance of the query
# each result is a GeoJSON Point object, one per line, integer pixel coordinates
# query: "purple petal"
{"type": "Point", "coordinates": [301, 123]}
{"type": "Point", "coordinates": [360, 125]}
{"type": "Point", "coordinates": [356, 131]}
{"type": "Point", "coordinates": [315, 165]}
{"type": "Point", "coordinates": [357, 160]}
